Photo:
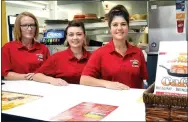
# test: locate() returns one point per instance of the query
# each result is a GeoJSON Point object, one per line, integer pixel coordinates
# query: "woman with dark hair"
{"type": "Point", "coordinates": [21, 57]}
{"type": "Point", "coordinates": [66, 66]}
{"type": "Point", "coordinates": [117, 65]}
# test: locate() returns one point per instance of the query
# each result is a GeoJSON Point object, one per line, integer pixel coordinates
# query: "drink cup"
{"type": "Point", "coordinates": [180, 26]}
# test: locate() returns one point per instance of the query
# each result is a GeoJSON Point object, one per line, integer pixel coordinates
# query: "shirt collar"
{"type": "Point", "coordinates": [130, 48]}
{"type": "Point", "coordinates": [36, 45]}
{"type": "Point", "coordinates": [71, 55]}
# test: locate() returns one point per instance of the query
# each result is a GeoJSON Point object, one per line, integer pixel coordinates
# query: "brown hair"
{"type": "Point", "coordinates": [75, 23]}
{"type": "Point", "coordinates": [17, 28]}
{"type": "Point", "coordinates": [118, 10]}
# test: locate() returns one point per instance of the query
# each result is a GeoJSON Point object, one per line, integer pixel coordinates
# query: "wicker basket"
{"type": "Point", "coordinates": [164, 107]}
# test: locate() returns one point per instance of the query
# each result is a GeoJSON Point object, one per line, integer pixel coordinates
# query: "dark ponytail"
{"type": "Point", "coordinates": [118, 10]}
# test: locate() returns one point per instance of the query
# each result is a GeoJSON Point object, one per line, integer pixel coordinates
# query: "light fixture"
{"type": "Point", "coordinates": [41, 2]}
{"type": "Point", "coordinates": [27, 4]}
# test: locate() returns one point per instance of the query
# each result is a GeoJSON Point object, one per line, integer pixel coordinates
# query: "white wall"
{"type": "Point", "coordinates": [13, 9]}
{"type": "Point", "coordinates": [134, 7]}
{"type": "Point", "coordinates": [39, 13]}
{"type": "Point", "coordinates": [68, 11]}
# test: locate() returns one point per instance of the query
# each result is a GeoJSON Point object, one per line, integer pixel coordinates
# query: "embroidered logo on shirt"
{"type": "Point", "coordinates": [40, 57]}
{"type": "Point", "coordinates": [134, 63]}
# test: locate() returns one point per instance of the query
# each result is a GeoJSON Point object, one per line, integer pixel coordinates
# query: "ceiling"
{"type": "Point", "coordinates": [59, 2]}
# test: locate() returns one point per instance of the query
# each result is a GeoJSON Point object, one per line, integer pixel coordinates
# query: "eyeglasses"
{"type": "Point", "coordinates": [25, 26]}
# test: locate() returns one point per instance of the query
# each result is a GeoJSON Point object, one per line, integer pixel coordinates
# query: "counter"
{"type": "Point", "coordinates": [57, 99]}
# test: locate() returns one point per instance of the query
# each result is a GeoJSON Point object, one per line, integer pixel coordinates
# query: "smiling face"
{"type": "Point", "coordinates": [75, 36]}
{"type": "Point", "coordinates": [119, 28]}
{"type": "Point", "coordinates": [28, 27]}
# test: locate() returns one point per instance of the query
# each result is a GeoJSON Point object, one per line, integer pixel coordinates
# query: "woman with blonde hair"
{"type": "Point", "coordinates": [22, 56]}
{"type": "Point", "coordinates": [66, 66]}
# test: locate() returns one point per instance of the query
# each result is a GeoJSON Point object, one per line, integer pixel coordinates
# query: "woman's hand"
{"type": "Point", "coordinates": [116, 86]}
{"type": "Point", "coordinates": [29, 76]}
{"type": "Point", "coordinates": [58, 82]}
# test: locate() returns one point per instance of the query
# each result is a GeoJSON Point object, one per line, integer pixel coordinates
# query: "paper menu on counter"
{"type": "Point", "coordinates": [85, 111]}
{"type": "Point", "coordinates": [172, 68]}
{"type": "Point", "coordinates": [13, 99]}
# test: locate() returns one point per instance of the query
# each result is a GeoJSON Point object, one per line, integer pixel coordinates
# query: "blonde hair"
{"type": "Point", "coordinates": [17, 28]}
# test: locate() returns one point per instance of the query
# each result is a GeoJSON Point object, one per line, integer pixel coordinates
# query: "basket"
{"type": "Point", "coordinates": [165, 107]}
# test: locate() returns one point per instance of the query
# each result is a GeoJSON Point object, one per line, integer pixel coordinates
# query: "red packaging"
{"type": "Point", "coordinates": [180, 26]}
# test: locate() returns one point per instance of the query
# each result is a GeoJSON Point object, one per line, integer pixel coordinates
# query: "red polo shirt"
{"type": "Point", "coordinates": [65, 65]}
{"type": "Point", "coordinates": [105, 63]}
{"type": "Point", "coordinates": [17, 58]}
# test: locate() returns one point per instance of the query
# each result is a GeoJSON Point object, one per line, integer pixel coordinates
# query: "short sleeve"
{"type": "Point", "coordinates": [6, 60]}
{"type": "Point", "coordinates": [48, 67]}
{"type": "Point", "coordinates": [93, 66]}
{"type": "Point", "coordinates": [143, 69]}
{"type": "Point", "coordinates": [46, 53]}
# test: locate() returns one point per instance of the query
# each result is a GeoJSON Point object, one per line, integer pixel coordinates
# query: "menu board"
{"type": "Point", "coordinates": [85, 111]}
{"type": "Point", "coordinates": [12, 99]}
{"type": "Point", "coordinates": [172, 68]}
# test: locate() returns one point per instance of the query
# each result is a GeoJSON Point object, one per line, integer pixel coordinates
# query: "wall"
{"type": "Point", "coordinates": [134, 7]}
{"type": "Point", "coordinates": [68, 11]}
{"type": "Point", "coordinates": [42, 15]}
{"type": "Point", "coordinates": [39, 13]}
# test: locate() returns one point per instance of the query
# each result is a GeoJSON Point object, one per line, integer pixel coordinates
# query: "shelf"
{"type": "Point", "coordinates": [56, 22]}
{"type": "Point", "coordinates": [107, 34]}
{"type": "Point", "coordinates": [138, 23]}
{"type": "Point", "coordinates": [137, 33]}
{"type": "Point", "coordinates": [98, 25]}
{"type": "Point", "coordinates": [89, 20]}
